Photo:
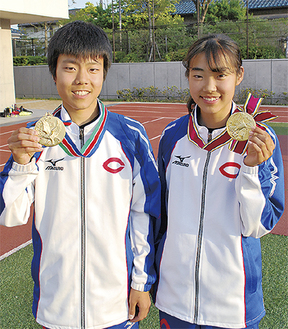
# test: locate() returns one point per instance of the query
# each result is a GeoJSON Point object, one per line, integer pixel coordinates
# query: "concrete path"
{"type": "Point", "coordinates": [39, 108]}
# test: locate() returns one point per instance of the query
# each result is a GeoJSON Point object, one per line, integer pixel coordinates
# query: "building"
{"type": "Point", "coordinates": [36, 30]}
{"type": "Point", "coordinates": [270, 9]}
{"type": "Point", "coordinates": [16, 12]}
{"type": "Point", "coordinates": [35, 37]}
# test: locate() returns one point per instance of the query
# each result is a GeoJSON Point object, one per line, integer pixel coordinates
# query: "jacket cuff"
{"type": "Point", "coordinates": [249, 170]}
{"type": "Point", "coordinates": [29, 167]}
{"type": "Point", "coordinates": [139, 286]}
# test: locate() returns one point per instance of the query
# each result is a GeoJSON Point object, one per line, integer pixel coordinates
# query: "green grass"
{"type": "Point", "coordinates": [16, 288]}
{"type": "Point", "coordinates": [275, 281]}
{"type": "Point", "coordinates": [281, 128]}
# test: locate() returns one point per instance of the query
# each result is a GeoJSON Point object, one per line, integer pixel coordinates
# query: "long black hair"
{"type": "Point", "coordinates": [219, 49]}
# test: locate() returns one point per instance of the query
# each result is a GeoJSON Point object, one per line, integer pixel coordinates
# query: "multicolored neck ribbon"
{"type": "Point", "coordinates": [56, 113]}
{"type": "Point", "coordinates": [91, 144]}
{"type": "Point", "coordinates": [251, 106]}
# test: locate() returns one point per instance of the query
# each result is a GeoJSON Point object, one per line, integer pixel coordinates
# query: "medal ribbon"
{"type": "Point", "coordinates": [92, 143]}
{"type": "Point", "coordinates": [56, 113]}
{"type": "Point", "coordinates": [251, 106]}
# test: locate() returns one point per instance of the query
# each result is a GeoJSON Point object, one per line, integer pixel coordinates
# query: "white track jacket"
{"type": "Point", "coordinates": [215, 208]}
{"type": "Point", "coordinates": [96, 198]}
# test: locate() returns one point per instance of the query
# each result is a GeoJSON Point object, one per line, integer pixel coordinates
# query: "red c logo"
{"type": "Point", "coordinates": [119, 162]}
{"type": "Point", "coordinates": [227, 165]}
{"type": "Point", "coordinates": [164, 323]}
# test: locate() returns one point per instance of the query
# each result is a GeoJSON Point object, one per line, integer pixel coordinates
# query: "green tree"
{"type": "Point", "coordinates": [264, 36]}
{"type": "Point", "coordinates": [149, 16]}
{"type": "Point", "coordinates": [203, 8]}
{"type": "Point", "coordinates": [138, 13]}
{"type": "Point", "coordinates": [149, 28]}
{"type": "Point", "coordinates": [97, 15]}
{"type": "Point", "coordinates": [135, 14]}
{"type": "Point", "coordinates": [233, 10]}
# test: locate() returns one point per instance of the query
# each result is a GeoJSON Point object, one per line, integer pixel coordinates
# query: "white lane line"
{"type": "Point", "coordinates": [9, 253]}
{"type": "Point", "coordinates": [151, 139]}
{"type": "Point", "coordinates": [149, 121]}
{"type": "Point", "coordinates": [7, 132]}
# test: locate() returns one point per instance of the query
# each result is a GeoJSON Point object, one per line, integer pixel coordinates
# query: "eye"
{"type": "Point", "coordinates": [69, 68]}
{"type": "Point", "coordinates": [197, 76]}
{"type": "Point", "coordinates": [94, 69]}
{"type": "Point", "coordinates": [221, 76]}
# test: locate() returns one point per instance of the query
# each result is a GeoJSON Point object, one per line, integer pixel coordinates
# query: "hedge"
{"type": "Point", "coordinates": [29, 60]}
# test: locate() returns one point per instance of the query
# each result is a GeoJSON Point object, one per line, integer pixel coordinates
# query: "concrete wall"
{"type": "Point", "coordinates": [270, 74]}
{"type": "Point", "coordinates": [142, 75]}
{"type": "Point", "coordinates": [36, 82]}
{"type": "Point", "coordinates": [7, 92]}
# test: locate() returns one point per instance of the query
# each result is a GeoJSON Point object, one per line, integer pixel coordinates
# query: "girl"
{"type": "Point", "coordinates": [218, 198]}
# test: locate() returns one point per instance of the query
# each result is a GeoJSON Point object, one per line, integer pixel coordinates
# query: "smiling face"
{"type": "Point", "coordinates": [79, 82]}
{"type": "Point", "coordinates": [212, 90]}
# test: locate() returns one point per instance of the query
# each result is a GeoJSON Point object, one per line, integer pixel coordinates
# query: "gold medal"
{"type": "Point", "coordinates": [239, 125]}
{"type": "Point", "coordinates": [51, 130]}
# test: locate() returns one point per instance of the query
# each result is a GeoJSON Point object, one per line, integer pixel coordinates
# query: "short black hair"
{"type": "Point", "coordinates": [79, 39]}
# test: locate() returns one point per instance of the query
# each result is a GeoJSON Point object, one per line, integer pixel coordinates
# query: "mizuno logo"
{"type": "Point", "coordinates": [181, 162]}
{"type": "Point", "coordinates": [53, 163]}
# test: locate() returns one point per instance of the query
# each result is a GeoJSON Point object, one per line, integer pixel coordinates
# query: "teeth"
{"type": "Point", "coordinates": [210, 98]}
{"type": "Point", "coordinates": [81, 92]}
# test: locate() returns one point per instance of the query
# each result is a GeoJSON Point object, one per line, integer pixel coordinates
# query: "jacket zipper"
{"type": "Point", "coordinates": [200, 232]}
{"type": "Point", "coordinates": [83, 230]}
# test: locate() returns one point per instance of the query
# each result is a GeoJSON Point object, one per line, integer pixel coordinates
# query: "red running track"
{"type": "Point", "coordinates": [154, 117]}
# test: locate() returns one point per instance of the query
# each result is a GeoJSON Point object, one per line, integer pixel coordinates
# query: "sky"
{"type": "Point", "coordinates": [77, 4]}
{"type": "Point", "coordinates": [81, 3]}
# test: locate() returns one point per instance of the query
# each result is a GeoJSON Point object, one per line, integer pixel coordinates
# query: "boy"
{"type": "Point", "coordinates": [95, 207]}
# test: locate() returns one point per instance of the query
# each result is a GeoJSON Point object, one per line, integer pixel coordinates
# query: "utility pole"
{"type": "Point", "coordinates": [113, 33]}
{"type": "Point", "coordinates": [46, 37]}
{"type": "Point", "coordinates": [153, 29]}
{"type": "Point", "coordinates": [198, 19]}
{"type": "Point", "coordinates": [120, 24]}
{"type": "Point", "coordinates": [247, 29]}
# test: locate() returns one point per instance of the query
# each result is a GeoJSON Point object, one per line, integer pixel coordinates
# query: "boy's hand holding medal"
{"type": "Point", "coordinates": [24, 142]}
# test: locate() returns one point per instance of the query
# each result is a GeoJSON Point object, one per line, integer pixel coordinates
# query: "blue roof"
{"type": "Point", "coordinates": [15, 31]}
{"type": "Point", "coordinates": [185, 7]}
{"type": "Point", "coordinates": [260, 4]}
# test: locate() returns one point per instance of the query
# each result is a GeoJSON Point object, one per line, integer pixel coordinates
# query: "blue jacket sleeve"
{"type": "Point", "coordinates": [260, 193]}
